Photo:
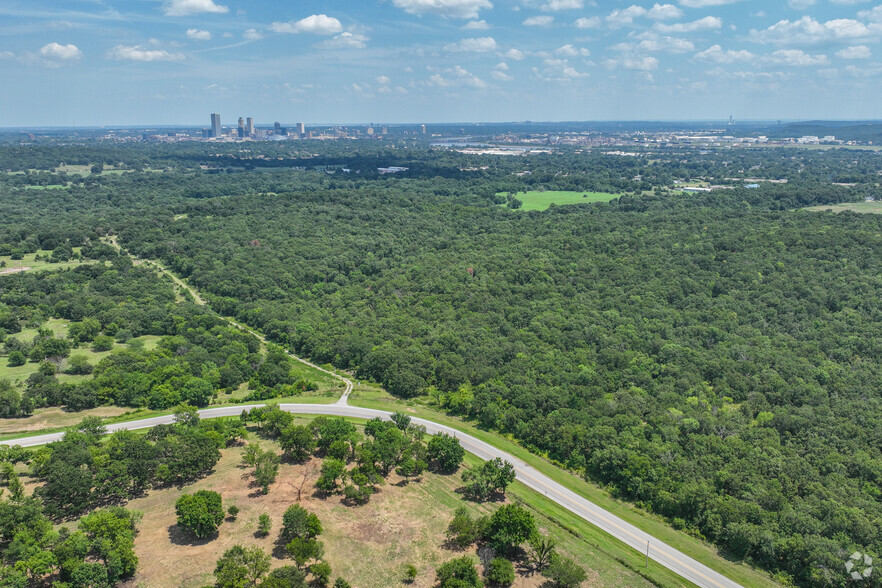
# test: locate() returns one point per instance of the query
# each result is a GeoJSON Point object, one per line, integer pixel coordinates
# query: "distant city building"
{"type": "Point", "coordinates": [215, 125]}
{"type": "Point", "coordinates": [241, 129]}
{"type": "Point", "coordinates": [423, 129]}
{"type": "Point", "coordinates": [384, 131]}
{"type": "Point", "coordinates": [249, 126]}
{"type": "Point", "coordinates": [301, 129]}
{"type": "Point", "coordinates": [370, 131]}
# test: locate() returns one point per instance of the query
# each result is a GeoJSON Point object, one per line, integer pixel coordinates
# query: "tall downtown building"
{"type": "Point", "coordinates": [215, 125]}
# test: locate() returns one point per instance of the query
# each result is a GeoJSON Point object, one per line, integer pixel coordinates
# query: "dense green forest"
{"type": "Point", "coordinates": [714, 358]}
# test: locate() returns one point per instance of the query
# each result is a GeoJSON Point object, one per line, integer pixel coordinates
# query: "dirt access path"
{"type": "Point", "coordinates": [198, 299]}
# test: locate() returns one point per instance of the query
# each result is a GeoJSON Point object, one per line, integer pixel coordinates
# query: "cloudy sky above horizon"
{"type": "Point", "coordinates": [118, 62]}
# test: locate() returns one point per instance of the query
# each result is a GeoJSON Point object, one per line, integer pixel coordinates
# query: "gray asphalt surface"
{"type": "Point", "coordinates": [688, 568]}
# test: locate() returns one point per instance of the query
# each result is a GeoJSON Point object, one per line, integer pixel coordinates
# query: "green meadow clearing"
{"type": "Point", "coordinates": [536, 200]}
{"type": "Point", "coordinates": [860, 207]}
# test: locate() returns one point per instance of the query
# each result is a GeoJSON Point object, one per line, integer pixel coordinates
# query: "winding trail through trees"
{"type": "Point", "coordinates": [344, 398]}
{"type": "Point", "coordinates": [681, 564]}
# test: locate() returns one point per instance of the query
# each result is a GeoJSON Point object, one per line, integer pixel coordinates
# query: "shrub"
{"type": "Point", "coordinates": [500, 572]}
{"type": "Point", "coordinates": [264, 524]}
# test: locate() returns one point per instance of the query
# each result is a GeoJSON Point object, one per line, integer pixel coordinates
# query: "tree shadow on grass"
{"type": "Point", "coordinates": [179, 536]}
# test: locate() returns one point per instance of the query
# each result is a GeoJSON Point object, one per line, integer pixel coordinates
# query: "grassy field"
{"type": "Point", "coordinates": [28, 263]}
{"type": "Point", "coordinates": [534, 200]}
{"type": "Point", "coordinates": [368, 545]}
{"type": "Point", "coordinates": [860, 207]}
{"type": "Point", "coordinates": [48, 187]}
{"type": "Point", "coordinates": [372, 396]}
{"type": "Point", "coordinates": [86, 170]}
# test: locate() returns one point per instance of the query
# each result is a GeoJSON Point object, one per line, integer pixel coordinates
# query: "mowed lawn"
{"type": "Point", "coordinates": [535, 200]}
{"type": "Point", "coordinates": [860, 207]}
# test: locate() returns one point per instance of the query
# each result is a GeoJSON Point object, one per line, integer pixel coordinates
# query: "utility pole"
{"type": "Point", "coordinates": [646, 565]}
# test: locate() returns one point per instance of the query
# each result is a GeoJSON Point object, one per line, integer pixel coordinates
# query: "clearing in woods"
{"type": "Point", "coordinates": [860, 207]}
{"type": "Point", "coordinates": [367, 545]}
{"type": "Point", "coordinates": [535, 200]}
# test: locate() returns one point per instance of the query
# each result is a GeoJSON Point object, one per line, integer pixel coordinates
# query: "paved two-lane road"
{"type": "Point", "coordinates": [667, 556]}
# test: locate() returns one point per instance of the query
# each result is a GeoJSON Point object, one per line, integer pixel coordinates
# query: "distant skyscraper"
{"type": "Point", "coordinates": [423, 129]}
{"type": "Point", "coordinates": [249, 126]}
{"type": "Point", "coordinates": [301, 129]}
{"type": "Point", "coordinates": [215, 125]}
{"type": "Point", "coordinates": [241, 129]}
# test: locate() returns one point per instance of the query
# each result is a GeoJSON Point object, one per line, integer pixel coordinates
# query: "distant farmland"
{"type": "Point", "coordinates": [535, 200]}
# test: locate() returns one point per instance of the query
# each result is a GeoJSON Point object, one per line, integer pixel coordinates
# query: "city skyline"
{"type": "Point", "coordinates": [149, 62]}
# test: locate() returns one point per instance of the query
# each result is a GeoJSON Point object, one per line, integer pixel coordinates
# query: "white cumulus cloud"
{"type": "Point", "coordinates": [252, 34]}
{"type": "Point", "coordinates": [633, 62]}
{"type": "Point", "coordinates": [795, 57]}
{"type": "Point", "coordinates": [555, 5]}
{"type": "Point", "coordinates": [63, 52]}
{"type": "Point", "coordinates": [664, 12]}
{"type": "Point", "coordinates": [457, 76]}
{"type": "Point", "coordinates": [198, 35]}
{"type": "Point", "coordinates": [345, 40]}
{"type": "Point", "coordinates": [706, 3]}
{"type": "Point", "coordinates": [808, 31]}
{"type": "Point", "coordinates": [515, 54]}
{"type": "Point", "coordinates": [625, 16]}
{"type": "Point", "coordinates": [188, 7]}
{"type": "Point", "coordinates": [666, 44]}
{"type": "Point", "coordinates": [446, 8]}
{"type": "Point", "coordinates": [140, 53]}
{"type": "Point", "coordinates": [588, 22]}
{"type": "Point", "coordinates": [570, 51]}
{"type": "Point", "coordinates": [479, 45]}
{"type": "Point", "coordinates": [538, 21]}
{"type": "Point", "coordinates": [316, 24]}
{"type": "Point", "coordinates": [855, 52]}
{"type": "Point", "coordinates": [475, 25]}
{"type": "Point", "coordinates": [558, 70]}
{"type": "Point", "coordinates": [702, 24]}
{"type": "Point", "coordinates": [717, 54]}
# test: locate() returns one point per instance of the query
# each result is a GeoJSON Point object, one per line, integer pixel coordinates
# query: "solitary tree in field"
{"type": "Point", "coordinates": [509, 526]}
{"type": "Point", "coordinates": [201, 513]}
{"type": "Point", "coordinates": [266, 469]}
{"type": "Point", "coordinates": [445, 452]}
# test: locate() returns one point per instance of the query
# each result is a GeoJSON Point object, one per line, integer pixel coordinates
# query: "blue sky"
{"type": "Point", "coordinates": [118, 62]}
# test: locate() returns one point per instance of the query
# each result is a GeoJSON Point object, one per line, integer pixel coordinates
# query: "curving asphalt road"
{"type": "Point", "coordinates": [688, 568]}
